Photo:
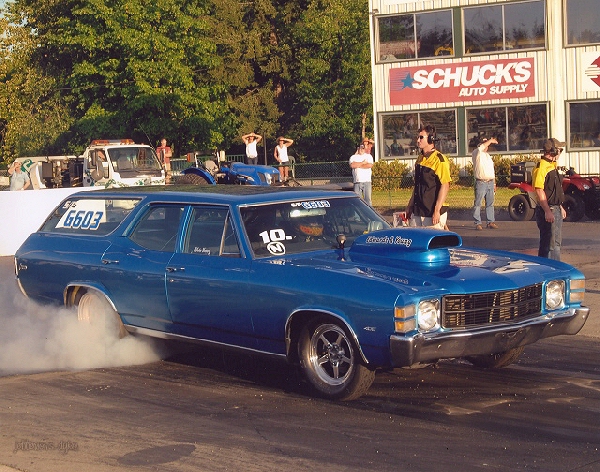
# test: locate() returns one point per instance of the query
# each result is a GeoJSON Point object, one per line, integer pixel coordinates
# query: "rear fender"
{"type": "Point", "coordinates": [522, 186]}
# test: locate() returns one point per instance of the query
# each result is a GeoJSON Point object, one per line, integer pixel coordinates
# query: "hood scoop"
{"type": "Point", "coordinates": [425, 248]}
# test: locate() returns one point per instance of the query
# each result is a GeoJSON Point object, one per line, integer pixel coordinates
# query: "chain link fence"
{"type": "Point", "coordinates": [388, 192]}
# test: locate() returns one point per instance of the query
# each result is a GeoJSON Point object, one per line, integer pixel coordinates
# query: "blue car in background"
{"type": "Point", "coordinates": [314, 276]}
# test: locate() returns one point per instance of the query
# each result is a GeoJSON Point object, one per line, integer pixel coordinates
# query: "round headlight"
{"type": "Point", "coordinates": [428, 315]}
{"type": "Point", "coordinates": [555, 294]}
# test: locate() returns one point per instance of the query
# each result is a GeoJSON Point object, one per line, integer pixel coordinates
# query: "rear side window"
{"type": "Point", "coordinates": [211, 233]}
{"type": "Point", "coordinates": [158, 228]}
{"type": "Point", "coordinates": [90, 216]}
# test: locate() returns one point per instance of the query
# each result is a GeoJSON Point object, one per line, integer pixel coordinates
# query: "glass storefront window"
{"type": "Point", "coordinates": [400, 131]}
{"type": "Point", "coordinates": [507, 27]}
{"type": "Point", "coordinates": [517, 128]}
{"type": "Point", "coordinates": [583, 22]}
{"type": "Point", "coordinates": [415, 36]}
{"type": "Point", "coordinates": [584, 125]}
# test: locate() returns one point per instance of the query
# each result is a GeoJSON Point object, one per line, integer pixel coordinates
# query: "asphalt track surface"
{"type": "Point", "coordinates": [212, 411]}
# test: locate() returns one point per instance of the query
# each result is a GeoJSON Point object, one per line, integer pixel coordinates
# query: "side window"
{"type": "Point", "coordinates": [210, 230]}
{"type": "Point", "coordinates": [158, 228]}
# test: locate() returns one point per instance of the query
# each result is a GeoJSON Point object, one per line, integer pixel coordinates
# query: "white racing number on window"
{"type": "Point", "coordinates": [84, 214]}
{"type": "Point", "coordinates": [273, 239]}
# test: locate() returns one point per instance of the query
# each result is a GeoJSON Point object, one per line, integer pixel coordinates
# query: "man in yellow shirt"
{"type": "Point", "coordinates": [432, 183]}
{"type": "Point", "coordinates": [549, 212]}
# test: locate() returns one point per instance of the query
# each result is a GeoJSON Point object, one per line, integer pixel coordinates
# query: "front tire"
{"type": "Point", "coordinates": [94, 309]}
{"type": "Point", "coordinates": [574, 207]}
{"type": "Point", "coordinates": [496, 361]}
{"type": "Point", "coordinates": [593, 212]}
{"type": "Point", "coordinates": [330, 362]}
{"type": "Point", "coordinates": [519, 208]}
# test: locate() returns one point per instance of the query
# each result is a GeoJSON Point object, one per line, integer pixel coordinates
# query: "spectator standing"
{"type": "Point", "coordinates": [19, 180]}
{"type": "Point", "coordinates": [361, 164]}
{"type": "Point", "coordinates": [549, 213]}
{"type": "Point", "coordinates": [281, 155]}
{"type": "Point", "coordinates": [368, 143]}
{"type": "Point", "coordinates": [251, 140]}
{"type": "Point", "coordinates": [485, 183]}
{"type": "Point", "coordinates": [164, 154]}
{"type": "Point", "coordinates": [432, 183]}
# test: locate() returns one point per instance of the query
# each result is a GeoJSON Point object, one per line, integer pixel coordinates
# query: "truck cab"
{"type": "Point", "coordinates": [121, 163]}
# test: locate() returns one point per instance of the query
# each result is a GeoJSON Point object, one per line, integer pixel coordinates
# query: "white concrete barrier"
{"type": "Point", "coordinates": [22, 213]}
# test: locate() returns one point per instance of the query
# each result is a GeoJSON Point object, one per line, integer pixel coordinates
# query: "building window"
{"type": "Point", "coordinates": [400, 132]}
{"type": "Point", "coordinates": [507, 27]}
{"type": "Point", "coordinates": [415, 36]}
{"type": "Point", "coordinates": [584, 125]}
{"type": "Point", "coordinates": [583, 22]}
{"type": "Point", "coordinates": [517, 128]}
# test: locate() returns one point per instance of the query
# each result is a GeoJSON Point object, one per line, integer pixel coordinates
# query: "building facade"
{"type": "Point", "coordinates": [519, 71]}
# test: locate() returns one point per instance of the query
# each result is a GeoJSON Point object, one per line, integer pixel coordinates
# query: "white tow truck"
{"type": "Point", "coordinates": [104, 163]}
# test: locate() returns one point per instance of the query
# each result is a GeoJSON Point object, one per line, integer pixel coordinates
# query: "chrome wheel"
{"type": "Point", "coordinates": [330, 363]}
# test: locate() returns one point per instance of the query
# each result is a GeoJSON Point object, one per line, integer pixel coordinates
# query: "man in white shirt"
{"type": "Point", "coordinates": [361, 164]}
{"type": "Point", "coordinates": [485, 183]}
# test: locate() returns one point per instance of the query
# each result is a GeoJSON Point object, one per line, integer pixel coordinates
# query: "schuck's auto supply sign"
{"type": "Point", "coordinates": [463, 81]}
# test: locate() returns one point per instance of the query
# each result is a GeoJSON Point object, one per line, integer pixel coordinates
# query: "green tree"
{"type": "Point", "coordinates": [330, 63]}
{"type": "Point", "coordinates": [133, 68]}
{"type": "Point", "coordinates": [200, 72]}
{"type": "Point", "coordinates": [33, 115]}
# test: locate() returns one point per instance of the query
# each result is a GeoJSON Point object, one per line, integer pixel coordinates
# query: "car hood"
{"type": "Point", "coordinates": [421, 258]}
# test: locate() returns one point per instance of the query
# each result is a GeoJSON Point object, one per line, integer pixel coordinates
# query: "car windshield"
{"type": "Point", "coordinates": [134, 159]}
{"type": "Point", "coordinates": [303, 226]}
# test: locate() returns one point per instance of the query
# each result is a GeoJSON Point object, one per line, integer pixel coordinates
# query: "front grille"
{"type": "Point", "coordinates": [480, 309]}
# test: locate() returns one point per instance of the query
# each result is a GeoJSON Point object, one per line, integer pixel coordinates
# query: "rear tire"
{"type": "Point", "coordinates": [93, 308]}
{"type": "Point", "coordinates": [496, 361]}
{"type": "Point", "coordinates": [519, 208]}
{"type": "Point", "coordinates": [574, 206]}
{"type": "Point", "coordinates": [191, 179]}
{"type": "Point", "coordinates": [330, 362]}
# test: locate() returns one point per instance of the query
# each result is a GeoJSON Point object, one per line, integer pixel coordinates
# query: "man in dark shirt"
{"type": "Point", "coordinates": [549, 212]}
{"type": "Point", "coordinates": [432, 182]}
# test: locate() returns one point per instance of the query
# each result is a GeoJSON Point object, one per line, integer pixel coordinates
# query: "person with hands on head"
{"type": "Point", "coordinates": [485, 183]}
{"type": "Point", "coordinates": [281, 155]}
{"type": "Point", "coordinates": [432, 183]}
{"type": "Point", "coordinates": [251, 140]}
{"type": "Point", "coordinates": [549, 212]}
{"type": "Point", "coordinates": [19, 180]}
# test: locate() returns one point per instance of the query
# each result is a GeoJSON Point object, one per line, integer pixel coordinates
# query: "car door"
{"type": "Point", "coordinates": [134, 267]}
{"type": "Point", "coordinates": [207, 282]}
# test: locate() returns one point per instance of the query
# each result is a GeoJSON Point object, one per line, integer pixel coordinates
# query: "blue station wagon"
{"type": "Point", "coordinates": [310, 275]}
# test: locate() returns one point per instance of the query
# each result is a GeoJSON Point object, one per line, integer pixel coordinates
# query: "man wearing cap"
{"type": "Point", "coordinates": [361, 164]}
{"type": "Point", "coordinates": [549, 212]}
{"type": "Point", "coordinates": [485, 183]}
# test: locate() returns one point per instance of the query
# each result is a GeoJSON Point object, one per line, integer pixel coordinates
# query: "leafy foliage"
{"type": "Point", "coordinates": [200, 73]}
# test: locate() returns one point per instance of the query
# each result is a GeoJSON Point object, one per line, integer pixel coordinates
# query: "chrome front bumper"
{"type": "Point", "coordinates": [423, 348]}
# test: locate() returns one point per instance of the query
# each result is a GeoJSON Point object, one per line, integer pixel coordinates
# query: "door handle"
{"type": "Point", "coordinates": [175, 269]}
{"type": "Point", "coordinates": [109, 261]}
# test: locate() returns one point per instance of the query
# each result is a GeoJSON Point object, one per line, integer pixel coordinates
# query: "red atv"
{"type": "Point", "coordinates": [582, 194]}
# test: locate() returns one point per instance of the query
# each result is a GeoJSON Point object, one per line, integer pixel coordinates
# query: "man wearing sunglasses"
{"type": "Point", "coordinates": [432, 182]}
{"type": "Point", "coordinates": [549, 211]}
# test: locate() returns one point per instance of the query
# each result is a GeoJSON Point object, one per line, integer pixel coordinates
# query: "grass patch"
{"type": "Point", "coordinates": [458, 197]}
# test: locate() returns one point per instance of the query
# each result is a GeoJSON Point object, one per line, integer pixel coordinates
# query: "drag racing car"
{"type": "Point", "coordinates": [312, 276]}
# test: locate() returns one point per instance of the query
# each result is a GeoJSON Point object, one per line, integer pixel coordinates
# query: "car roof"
{"type": "Point", "coordinates": [218, 194]}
